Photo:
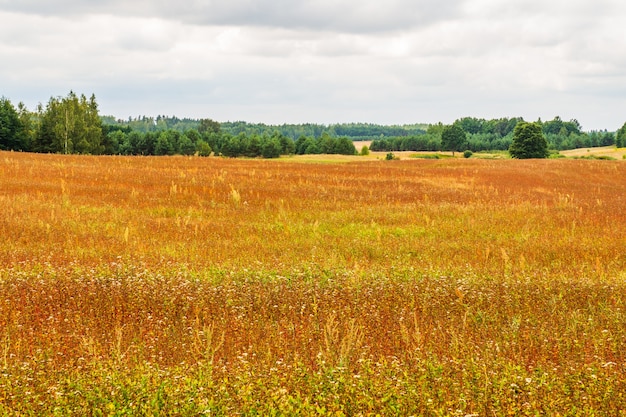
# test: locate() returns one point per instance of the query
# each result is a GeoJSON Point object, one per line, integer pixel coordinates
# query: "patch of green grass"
{"type": "Point", "coordinates": [491, 155]}
{"type": "Point", "coordinates": [596, 157]}
{"type": "Point", "coordinates": [430, 156]}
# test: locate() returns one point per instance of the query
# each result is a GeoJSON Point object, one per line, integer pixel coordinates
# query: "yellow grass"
{"type": "Point", "coordinates": [178, 285]}
{"type": "Point", "coordinates": [610, 151]}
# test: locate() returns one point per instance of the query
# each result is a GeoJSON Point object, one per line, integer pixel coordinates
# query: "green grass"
{"type": "Point", "coordinates": [430, 156]}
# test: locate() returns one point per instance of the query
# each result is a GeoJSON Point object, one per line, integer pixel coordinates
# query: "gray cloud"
{"type": "Point", "coordinates": [334, 15]}
{"type": "Point", "coordinates": [324, 61]}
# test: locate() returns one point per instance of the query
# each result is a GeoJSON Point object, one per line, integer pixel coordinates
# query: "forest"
{"type": "Point", "coordinates": [73, 125]}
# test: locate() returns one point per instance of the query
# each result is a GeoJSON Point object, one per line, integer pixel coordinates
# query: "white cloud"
{"type": "Point", "coordinates": [336, 15]}
{"type": "Point", "coordinates": [399, 61]}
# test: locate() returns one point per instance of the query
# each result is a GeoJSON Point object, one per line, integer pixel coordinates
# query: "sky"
{"type": "Point", "coordinates": [324, 61]}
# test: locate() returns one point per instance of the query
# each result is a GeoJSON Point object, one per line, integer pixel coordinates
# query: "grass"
{"type": "Point", "coordinates": [601, 151]}
{"type": "Point", "coordinates": [492, 155]}
{"type": "Point", "coordinates": [430, 156]}
{"type": "Point", "coordinates": [192, 286]}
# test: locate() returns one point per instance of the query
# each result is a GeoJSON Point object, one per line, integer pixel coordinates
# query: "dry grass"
{"type": "Point", "coordinates": [189, 286]}
{"type": "Point", "coordinates": [610, 151]}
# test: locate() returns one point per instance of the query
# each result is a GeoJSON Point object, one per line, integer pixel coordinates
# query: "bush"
{"type": "Point", "coordinates": [528, 142]}
{"type": "Point", "coordinates": [271, 149]}
{"type": "Point", "coordinates": [390, 156]}
{"type": "Point", "coordinates": [468, 154]}
{"type": "Point", "coordinates": [203, 148]}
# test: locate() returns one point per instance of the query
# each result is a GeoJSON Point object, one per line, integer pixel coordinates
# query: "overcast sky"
{"type": "Point", "coordinates": [323, 61]}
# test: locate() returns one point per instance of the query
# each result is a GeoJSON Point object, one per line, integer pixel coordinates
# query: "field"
{"type": "Point", "coordinates": [603, 151]}
{"type": "Point", "coordinates": [208, 286]}
{"type": "Point", "coordinates": [610, 152]}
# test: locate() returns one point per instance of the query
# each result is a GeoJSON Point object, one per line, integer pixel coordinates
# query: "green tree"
{"type": "Point", "coordinates": [326, 144]}
{"type": "Point", "coordinates": [11, 127]}
{"type": "Point", "coordinates": [311, 146]}
{"type": "Point", "coordinates": [453, 138]}
{"type": "Point", "coordinates": [186, 146]}
{"type": "Point", "coordinates": [164, 144]}
{"type": "Point", "coordinates": [114, 142]}
{"type": "Point", "coordinates": [129, 144]}
{"type": "Point", "coordinates": [435, 129]}
{"type": "Point", "coordinates": [203, 148]}
{"type": "Point", "coordinates": [344, 146]}
{"type": "Point", "coordinates": [271, 148]}
{"type": "Point", "coordinates": [620, 137]}
{"type": "Point", "coordinates": [471, 125]}
{"type": "Point", "coordinates": [216, 141]}
{"type": "Point", "coordinates": [253, 147]}
{"type": "Point", "coordinates": [234, 146]}
{"type": "Point", "coordinates": [208, 126]}
{"type": "Point", "coordinates": [93, 134]}
{"type": "Point", "coordinates": [288, 146]}
{"type": "Point", "coordinates": [193, 135]}
{"type": "Point", "coordinates": [528, 141]}
{"type": "Point", "coordinates": [29, 126]}
{"type": "Point", "coordinates": [301, 145]}
{"type": "Point", "coordinates": [70, 125]}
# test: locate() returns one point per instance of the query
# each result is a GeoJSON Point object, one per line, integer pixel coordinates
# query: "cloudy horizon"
{"type": "Point", "coordinates": [295, 61]}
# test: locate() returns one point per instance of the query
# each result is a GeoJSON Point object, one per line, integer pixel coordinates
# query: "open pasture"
{"type": "Point", "coordinates": [193, 286]}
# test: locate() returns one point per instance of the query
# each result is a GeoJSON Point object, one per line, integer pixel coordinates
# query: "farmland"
{"type": "Point", "coordinates": [194, 286]}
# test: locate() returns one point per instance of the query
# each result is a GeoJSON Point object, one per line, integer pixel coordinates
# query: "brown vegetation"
{"type": "Point", "coordinates": [395, 287]}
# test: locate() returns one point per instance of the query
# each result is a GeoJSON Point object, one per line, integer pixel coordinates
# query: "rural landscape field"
{"type": "Point", "coordinates": [360, 286]}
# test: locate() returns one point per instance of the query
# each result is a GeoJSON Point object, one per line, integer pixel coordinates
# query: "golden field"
{"type": "Point", "coordinates": [193, 286]}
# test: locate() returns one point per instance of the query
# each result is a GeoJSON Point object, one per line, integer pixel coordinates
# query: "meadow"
{"type": "Point", "coordinates": [209, 286]}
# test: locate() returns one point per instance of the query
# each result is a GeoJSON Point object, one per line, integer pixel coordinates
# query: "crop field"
{"type": "Point", "coordinates": [209, 286]}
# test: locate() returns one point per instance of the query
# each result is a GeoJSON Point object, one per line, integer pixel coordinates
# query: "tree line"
{"type": "Point", "coordinates": [209, 138]}
{"type": "Point", "coordinates": [497, 134]}
{"type": "Point", "coordinates": [354, 131]}
{"type": "Point", "coordinates": [72, 124]}
{"type": "Point", "coordinates": [66, 125]}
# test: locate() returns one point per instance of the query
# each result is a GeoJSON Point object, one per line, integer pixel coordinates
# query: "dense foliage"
{"type": "Point", "coordinates": [528, 142]}
{"type": "Point", "coordinates": [354, 131]}
{"type": "Point", "coordinates": [497, 134]}
{"type": "Point", "coordinates": [72, 125]}
{"type": "Point", "coordinates": [620, 137]}
{"type": "Point", "coordinates": [12, 132]}
{"type": "Point", "coordinates": [453, 138]}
